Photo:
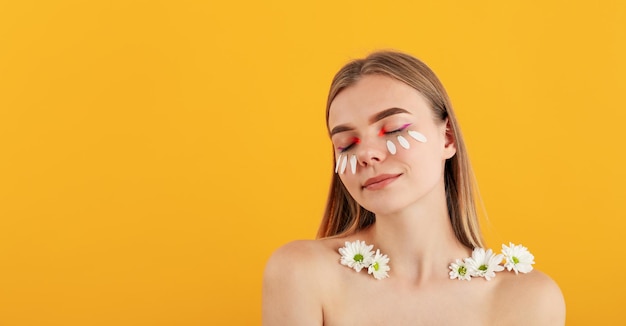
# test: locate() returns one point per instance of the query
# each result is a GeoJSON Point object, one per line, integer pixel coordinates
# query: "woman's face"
{"type": "Point", "coordinates": [390, 150]}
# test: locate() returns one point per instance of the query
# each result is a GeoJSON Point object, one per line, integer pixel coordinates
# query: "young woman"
{"type": "Point", "coordinates": [399, 243]}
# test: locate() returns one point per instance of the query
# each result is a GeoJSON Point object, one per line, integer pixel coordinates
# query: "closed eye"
{"type": "Point", "coordinates": [344, 149]}
{"type": "Point", "coordinates": [395, 130]}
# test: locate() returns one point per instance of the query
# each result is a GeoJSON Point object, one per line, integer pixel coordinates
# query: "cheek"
{"type": "Point", "coordinates": [350, 182]}
{"type": "Point", "coordinates": [405, 141]}
{"type": "Point", "coordinates": [345, 164]}
{"type": "Point", "coordinates": [422, 160]}
{"type": "Point", "coordinates": [428, 165]}
{"type": "Point", "coordinates": [401, 148]}
{"type": "Point", "coordinates": [353, 186]}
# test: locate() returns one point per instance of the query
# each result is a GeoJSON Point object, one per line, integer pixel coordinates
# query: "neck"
{"type": "Point", "coordinates": [419, 240]}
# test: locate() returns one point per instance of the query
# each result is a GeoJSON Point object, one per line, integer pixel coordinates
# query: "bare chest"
{"type": "Point", "coordinates": [436, 305]}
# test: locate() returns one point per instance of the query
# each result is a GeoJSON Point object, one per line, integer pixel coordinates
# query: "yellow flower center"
{"type": "Point", "coordinates": [462, 270]}
{"type": "Point", "coordinates": [358, 257]}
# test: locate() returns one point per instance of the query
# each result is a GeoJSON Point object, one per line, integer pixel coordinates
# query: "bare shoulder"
{"type": "Point", "coordinates": [298, 256]}
{"type": "Point", "coordinates": [297, 262]}
{"type": "Point", "coordinates": [295, 281]}
{"type": "Point", "coordinates": [529, 299]}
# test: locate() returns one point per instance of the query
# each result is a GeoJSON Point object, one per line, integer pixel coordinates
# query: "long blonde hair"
{"type": "Point", "coordinates": [343, 215]}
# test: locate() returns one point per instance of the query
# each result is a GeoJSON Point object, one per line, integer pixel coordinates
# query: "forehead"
{"type": "Point", "coordinates": [372, 94]}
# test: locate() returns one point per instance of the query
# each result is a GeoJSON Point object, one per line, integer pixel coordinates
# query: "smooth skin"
{"type": "Point", "coordinates": [304, 283]}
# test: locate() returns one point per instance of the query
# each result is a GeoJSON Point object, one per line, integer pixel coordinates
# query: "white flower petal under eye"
{"type": "Point", "coordinates": [417, 136]}
{"type": "Point", "coordinates": [403, 142]}
{"type": "Point", "coordinates": [379, 266]}
{"type": "Point", "coordinates": [356, 255]}
{"type": "Point", "coordinates": [484, 263]}
{"type": "Point", "coordinates": [518, 258]}
{"type": "Point", "coordinates": [344, 163]}
{"type": "Point", "coordinates": [391, 147]}
{"type": "Point", "coordinates": [353, 164]}
{"type": "Point", "coordinates": [337, 164]}
{"type": "Point", "coordinates": [459, 270]}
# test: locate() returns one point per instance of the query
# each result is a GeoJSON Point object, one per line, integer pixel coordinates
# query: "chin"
{"type": "Point", "coordinates": [386, 206]}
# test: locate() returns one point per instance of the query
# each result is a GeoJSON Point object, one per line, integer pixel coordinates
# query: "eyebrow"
{"type": "Point", "coordinates": [375, 118]}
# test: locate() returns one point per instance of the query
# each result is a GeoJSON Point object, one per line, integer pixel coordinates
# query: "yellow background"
{"type": "Point", "coordinates": [154, 153]}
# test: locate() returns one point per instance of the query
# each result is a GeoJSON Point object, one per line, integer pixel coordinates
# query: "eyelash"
{"type": "Point", "coordinates": [393, 131]}
{"type": "Point", "coordinates": [347, 148]}
{"type": "Point", "coordinates": [381, 133]}
{"type": "Point", "coordinates": [384, 132]}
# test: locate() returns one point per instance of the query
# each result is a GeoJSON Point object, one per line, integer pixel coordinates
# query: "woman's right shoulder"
{"type": "Point", "coordinates": [304, 260]}
{"type": "Point", "coordinates": [297, 277]}
{"type": "Point", "coordinates": [303, 254]}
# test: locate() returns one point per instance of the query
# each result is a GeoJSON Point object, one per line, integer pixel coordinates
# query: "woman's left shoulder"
{"type": "Point", "coordinates": [532, 298]}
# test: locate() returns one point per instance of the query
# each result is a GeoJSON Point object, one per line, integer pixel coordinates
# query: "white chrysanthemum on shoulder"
{"type": "Point", "coordinates": [379, 266]}
{"type": "Point", "coordinates": [459, 270]}
{"type": "Point", "coordinates": [484, 263]}
{"type": "Point", "coordinates": [518, 258]}
{"type": "Point", "coordinates": [356, 255]}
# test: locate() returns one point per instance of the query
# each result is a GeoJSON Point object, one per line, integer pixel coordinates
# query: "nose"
{"type": "Point", "coordinates": [371, 152]}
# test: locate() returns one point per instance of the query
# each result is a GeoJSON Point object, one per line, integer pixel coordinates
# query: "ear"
{"type": "Point", "coordinates": [449, 149]}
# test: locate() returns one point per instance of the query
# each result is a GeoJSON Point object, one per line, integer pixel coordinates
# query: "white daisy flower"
{"type": "Point", "coordinates": [460, 270]}
{"type": "Point", "coordinates": [379, 267]}
{"type": "Point", "coordinates": [356, 255]}
{"type": "Point", "coordinates": [518, 258]}
{"type": "Point", "coordinates": [484, 263]}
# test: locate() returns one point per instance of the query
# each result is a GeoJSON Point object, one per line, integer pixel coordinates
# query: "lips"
{"type": "Point", "coordinates": [380, 181]}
